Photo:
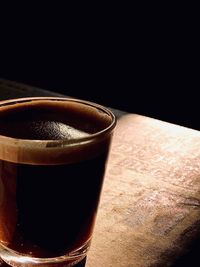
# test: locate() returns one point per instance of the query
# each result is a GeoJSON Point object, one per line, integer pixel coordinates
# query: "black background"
{"type": "Point", "coordinates": [140, 60]}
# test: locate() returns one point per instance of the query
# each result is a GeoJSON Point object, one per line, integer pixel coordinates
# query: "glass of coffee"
{"type": "Point", "coordinates": [53, 153]}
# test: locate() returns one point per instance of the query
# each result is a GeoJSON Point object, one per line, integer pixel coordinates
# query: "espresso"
{"type": "Point", "coordinates": [49, 194]}
{"type": "Point", "coordinates": [45, 120]}
{"type": "Point", "coordinates": [52, 208]}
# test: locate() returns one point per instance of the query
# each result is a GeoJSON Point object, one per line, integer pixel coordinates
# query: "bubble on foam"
{"type": "Point", "coordinates": [45, 130]}
{"type": "Point", "coordinates": [69, 132]}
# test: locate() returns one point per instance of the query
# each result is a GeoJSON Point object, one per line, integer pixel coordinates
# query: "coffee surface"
{"type": "Point", "coordinates": [39, 131]}
{"type": "Point", "coordinates": [44, 120]}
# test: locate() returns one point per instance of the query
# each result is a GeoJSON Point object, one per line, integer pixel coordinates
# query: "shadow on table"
{"type": "Point", "coordinates": [191, 258]}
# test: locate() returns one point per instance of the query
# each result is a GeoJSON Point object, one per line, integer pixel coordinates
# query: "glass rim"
{"type": "Point", "coordinates": [59, 142]}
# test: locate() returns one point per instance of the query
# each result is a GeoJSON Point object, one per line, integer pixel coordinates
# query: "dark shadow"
{"type": "Point", "coordinates": [191, 258]}
{"type": "Point", "coordinates": [11, 89]}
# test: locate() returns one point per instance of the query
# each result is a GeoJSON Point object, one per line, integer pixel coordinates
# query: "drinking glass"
{"type": "Point", "coordinates": [53, 154]}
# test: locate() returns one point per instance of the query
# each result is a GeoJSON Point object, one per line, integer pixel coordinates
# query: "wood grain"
{"type": "Point", "coordinates": [149, 211]}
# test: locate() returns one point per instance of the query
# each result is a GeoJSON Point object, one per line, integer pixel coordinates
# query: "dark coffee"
{"type": "Point", "coordinates": [52, 206]}
{"type": "Point", "coordinates": [43, 120]}
{"type": "Point", "coordinates": [49, 195]}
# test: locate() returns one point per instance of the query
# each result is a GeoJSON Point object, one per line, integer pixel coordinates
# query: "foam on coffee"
{"type": "Point", "coordinates": [63, 131]}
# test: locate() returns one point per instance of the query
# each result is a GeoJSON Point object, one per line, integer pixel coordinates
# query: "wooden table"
{"type": "Point", "coordinates": [149, 214]}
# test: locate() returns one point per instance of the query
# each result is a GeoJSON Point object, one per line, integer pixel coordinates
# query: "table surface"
{"type": "Point", "coordinates": [149, 210]}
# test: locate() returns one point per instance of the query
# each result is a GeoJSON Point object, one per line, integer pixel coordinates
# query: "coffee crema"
{"type": "Point", "coordinates": [39, 128]}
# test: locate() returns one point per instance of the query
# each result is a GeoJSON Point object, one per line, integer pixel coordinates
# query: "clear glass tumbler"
{"type": "Point", "coordinates": [53, 153]}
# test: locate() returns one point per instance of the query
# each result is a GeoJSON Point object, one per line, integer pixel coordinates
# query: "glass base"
{"type": "Point", "coordinates": [15, 259]}
{"type": "Point", "coordinates": [80, 264]}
